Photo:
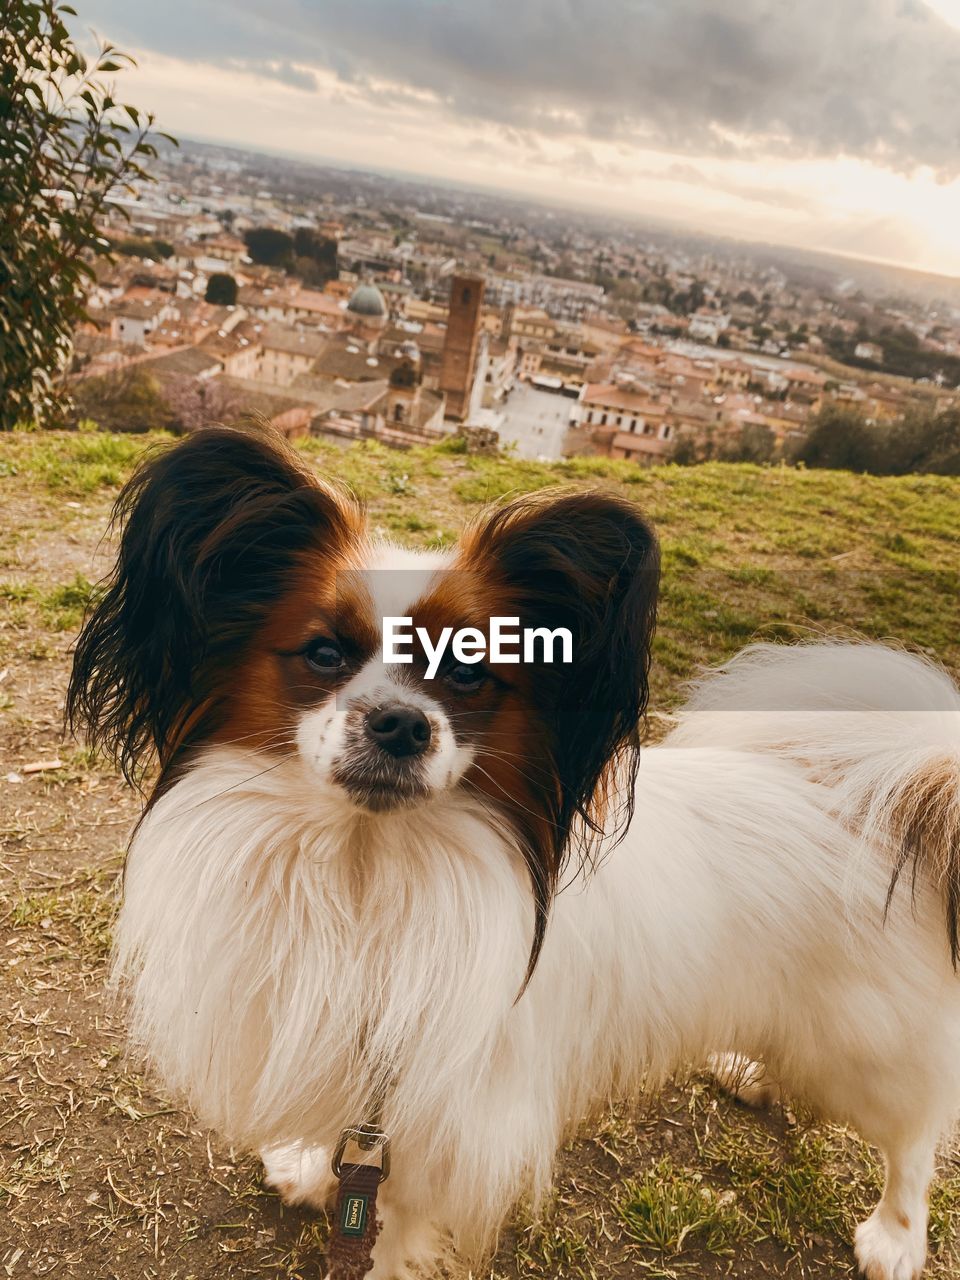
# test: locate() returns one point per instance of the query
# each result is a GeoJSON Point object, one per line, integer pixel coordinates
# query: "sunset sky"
{"type": "Point", "coordinates": [833, 124]}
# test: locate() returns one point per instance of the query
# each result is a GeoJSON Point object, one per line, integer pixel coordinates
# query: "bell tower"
{"type": "Point", "coordinates": [458, 366]}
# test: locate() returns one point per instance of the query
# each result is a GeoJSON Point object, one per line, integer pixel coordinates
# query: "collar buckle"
{"type": "Point", "coordinates": [368, 1138]}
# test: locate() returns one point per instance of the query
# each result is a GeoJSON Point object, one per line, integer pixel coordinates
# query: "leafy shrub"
{"type": "Point", "coordinates": [221, 290]}
{"type": "Point", "coordinates": [64, 146]}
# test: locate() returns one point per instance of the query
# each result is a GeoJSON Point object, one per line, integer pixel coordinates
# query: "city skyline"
{"type": "Point", "coordinates": [823, 130]}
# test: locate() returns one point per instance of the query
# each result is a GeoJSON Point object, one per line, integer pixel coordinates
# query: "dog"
{"type": "Point", "coordinates": [469, 907]}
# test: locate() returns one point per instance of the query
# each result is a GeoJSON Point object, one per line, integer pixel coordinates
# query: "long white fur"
{"type": "Point", "coordinates": [286, 955]}
{"type": "Point", "coordinates": [864, 718]}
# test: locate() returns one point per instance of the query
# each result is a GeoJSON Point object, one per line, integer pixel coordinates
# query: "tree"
{"type": "Point", "coordinates": [926, 442]}
{"type": "Point", "coordinates": [221, 290]}
{"type": "Point", "coordinates": [943, 444]}
{"type": "Point", "coordinates": [65, 146]}
{"type": "Point", "coordinates": [690, 300]}
{"type": "Point", "coordinates": [269, 247]}
{"type": "Point", "coordinates": [195, 403]}
{"type": "Point", "coordinates": [658, 291]}
{"type": "Point", "coordinates": [841, 439]}
{"type": "Point", "coordinates": [689, 451]}
{"type": "Point", "coordinates": [137, 247]}
{"type": "Point", "coordinates": [754, 442]}
{"type": "Point", "coordinates": [128, 400]}
{"type": "Point", "coordinates": [315, 256]}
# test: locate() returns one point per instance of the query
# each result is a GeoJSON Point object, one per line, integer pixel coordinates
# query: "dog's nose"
{"type": "Point", "coordinates": [399, 730]}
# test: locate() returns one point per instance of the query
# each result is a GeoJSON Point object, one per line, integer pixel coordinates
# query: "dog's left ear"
{"type": "Point", "coordinates": [591, 563]}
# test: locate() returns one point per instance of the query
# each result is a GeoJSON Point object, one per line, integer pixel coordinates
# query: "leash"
{"type": "Point", "coordinates": [355, 1223]}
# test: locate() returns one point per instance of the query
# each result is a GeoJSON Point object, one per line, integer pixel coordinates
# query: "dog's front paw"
{"type": "Point", "coordinates": [299, 1174]}
{"type": "Point", "coordinates": [890, 1250]}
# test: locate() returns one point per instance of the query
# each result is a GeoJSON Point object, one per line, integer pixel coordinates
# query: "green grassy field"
{"type": "Point", "coordinates": [100, 1177]}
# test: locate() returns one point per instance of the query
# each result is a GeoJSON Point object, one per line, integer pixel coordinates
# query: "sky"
{"type": "Point", "coordinates": [831, 124]}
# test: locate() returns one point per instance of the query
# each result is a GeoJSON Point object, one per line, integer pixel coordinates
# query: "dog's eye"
{"type": "Point", "coordinates": [466, 676]}
{"type": "Point", "coordinates": [324, 655]}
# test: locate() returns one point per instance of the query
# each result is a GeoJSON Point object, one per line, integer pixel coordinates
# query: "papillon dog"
{"type": "Point", "coordinates": [467, 904]}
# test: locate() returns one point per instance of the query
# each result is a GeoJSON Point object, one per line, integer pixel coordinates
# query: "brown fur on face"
{"type": "Point", "coordinates": [273, 681]}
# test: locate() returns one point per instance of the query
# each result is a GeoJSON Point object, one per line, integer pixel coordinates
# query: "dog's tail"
{"type": "Point", "coordinates": [880, 726]}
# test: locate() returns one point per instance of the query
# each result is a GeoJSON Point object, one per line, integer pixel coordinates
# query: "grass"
{"type": "Point", "coordinates": [59, 608]}
{"type": "Point", "coordinates": [691, 1186]}
{"type": "Point", "coordinates": [75, 464]}
{"type": "Point", "coordinates": [747, 1186]}
{"type": "Point", "coordinates": [76, 917]}
{"type": "Point", "coordinates": [811, 1182]}
{"type": "Point", "coordinates": [671, 1208]}
{"type": "Point", "coordinates": [748, 551]}
{"type": "Point", "coordinates": [64, 606]}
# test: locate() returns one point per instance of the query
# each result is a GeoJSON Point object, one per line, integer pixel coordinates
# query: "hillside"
{"type": "Point", "coordinates": [100, 1177]}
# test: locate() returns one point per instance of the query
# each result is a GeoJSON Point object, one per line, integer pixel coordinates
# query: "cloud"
{"type": "Point", "coordinates": [721, 181]}
{"type": "Point", "coordinates": [876, 79]}
{"type": "Point", "coordinates": [890, 239]}
{"type": "Point", "coordinates": [285, 72]}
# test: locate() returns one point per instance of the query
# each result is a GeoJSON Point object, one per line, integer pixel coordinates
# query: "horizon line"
{"type": "Point", "coordinates": [546, 202]}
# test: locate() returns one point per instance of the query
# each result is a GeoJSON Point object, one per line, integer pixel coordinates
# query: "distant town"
{"type": "Point", "coordinates": [367, 307]}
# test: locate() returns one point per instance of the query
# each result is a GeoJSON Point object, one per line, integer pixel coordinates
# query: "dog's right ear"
{"type": "Point", "coordinates": [212, 531]}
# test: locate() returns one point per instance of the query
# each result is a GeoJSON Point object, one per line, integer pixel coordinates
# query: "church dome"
{"type": "Point", "coordinates": [367, 300]}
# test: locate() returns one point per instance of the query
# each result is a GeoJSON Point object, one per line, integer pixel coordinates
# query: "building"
{"type": "Point", "coordinates": [531, 323]}
{"type": "Point", "coordinates": [529, 361]}
{"type": "Point", "coordinates": [286, 353]}
{"type": "Point", "coordinates": [461, 345]}
{"type": "Point", "coordinates": [294, 306]}
{"type": "Point", "coordinates": [396, 410]}
{"type": "Point", "coordinates": [408, 407]}
{"type": "Point", "coordinates": [239, 356]}
{"type": "Point", "coordinates": [871, 351]}
{"type": "Point", "coordinates": [735, 374]}
{"type": "Point", "coordinates": [622, 423]}
{"type": "Point", "coordinates": [344, 361]}
{"type": "Point", "coordinates": [188, 363]}
{"type": "Point", "coordinates": [421, 311]}
{"type": "Point", "coordinates": [288, 414]}
{"type": "Point", "coordinates": [367, 310]}
{"type": "Point", "coordinates": [314, 307]}
{"type": "Point", "coordinates": [707, 326]}
{"type": "Point", "coordinates": [192, 321]}
{"type": "Point", "coordinates": [500, 371]}
{"type": "Point", "coordinates": [426, 339]}
{"type": "Point", "coordinates": [134, 317]}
